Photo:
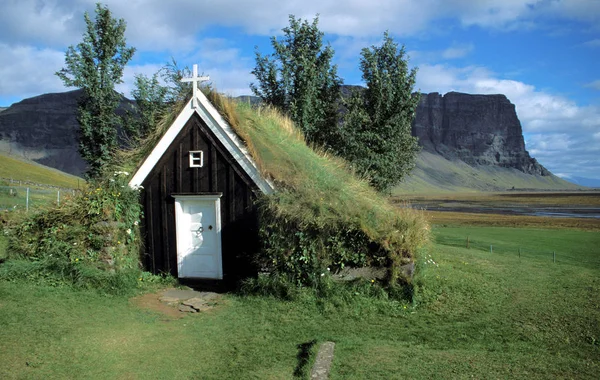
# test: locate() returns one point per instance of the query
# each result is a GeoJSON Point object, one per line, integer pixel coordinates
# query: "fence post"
{"type": "Point", "coordinates": [554, 256]}
{"type": "Point", "coordinates": [27, 201]}
{"type": "Point", "coordinates": [519, 252]}
{"type": "Point", "coordinates": [58, 197]}
{"type": "Point", "coordinates": [491, 249]}
{"type": "Point", "coordinates": [467, 241]}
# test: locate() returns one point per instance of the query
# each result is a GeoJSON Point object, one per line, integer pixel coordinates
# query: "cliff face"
{"type": "Point", "coordinates": [476, 129]}
{"type": "Point", "coordinates": [45, 129]}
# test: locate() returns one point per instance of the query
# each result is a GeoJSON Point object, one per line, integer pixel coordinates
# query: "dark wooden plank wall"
{"type": "Point", "coordinates": [220, 173]}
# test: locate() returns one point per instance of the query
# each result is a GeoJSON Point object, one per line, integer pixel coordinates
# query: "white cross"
{"type": "Point", "coordinates": [195, 79]}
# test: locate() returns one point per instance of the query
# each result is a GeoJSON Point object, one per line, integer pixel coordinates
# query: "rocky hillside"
{"type": "Point", "coordinates": [475, 129]}
{"type": "Point", "coordinates": [44, 129]}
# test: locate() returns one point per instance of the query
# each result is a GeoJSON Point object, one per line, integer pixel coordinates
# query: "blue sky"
{"type": "Point", "coordinates": [542, 54]}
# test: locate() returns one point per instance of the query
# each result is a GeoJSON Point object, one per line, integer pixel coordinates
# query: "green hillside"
{"type": "Point", "coordinates": [23, 170]}
{"type": "Point", "coordinates": [434, 174]}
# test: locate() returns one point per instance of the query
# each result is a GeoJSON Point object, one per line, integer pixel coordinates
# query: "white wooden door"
{"type": "Point", "coordinates": [198, 237]}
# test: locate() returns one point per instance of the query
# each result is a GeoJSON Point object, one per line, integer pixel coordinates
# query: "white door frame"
{"type": "Point", "coordinates": [179, 200]}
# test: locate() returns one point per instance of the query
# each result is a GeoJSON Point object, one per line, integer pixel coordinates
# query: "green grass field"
{"type": "Point", "coordinates": [13, 195]}
{"type": "Point", "coordinates": [476, 315]}
{"type": "Point", "coordinates": [23, 170]}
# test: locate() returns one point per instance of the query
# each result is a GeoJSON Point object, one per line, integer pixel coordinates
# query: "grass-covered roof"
{"type": "Point", "coordinates": [322, 214]}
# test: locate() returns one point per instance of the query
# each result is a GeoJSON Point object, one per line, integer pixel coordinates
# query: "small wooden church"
{"type": "Point", "coordinates": [199, 183]}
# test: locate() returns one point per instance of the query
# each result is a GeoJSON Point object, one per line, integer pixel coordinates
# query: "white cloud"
{"type": "Point", "coordinates": [594, 84]}
{"type": "Point", "coordinates": [592, 43]}
{"type": "Point", "coordinates": [457, 51]}
{"type": "Point", "coordinates": [49, 22]}
{"type": "Point", "coordinates": [29, 71]}
{"type": "Point", "coordinates": [164, 22]}
{"type": "Point", "coordinates": [174, 25]}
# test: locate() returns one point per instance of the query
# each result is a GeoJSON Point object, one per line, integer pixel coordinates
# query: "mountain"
{"type": "Point", "coordinates": [469, 141]}
{"type": "Point", "coordinates": [44, 129]}
{"type": "Point", "coordinates": [475, 129]}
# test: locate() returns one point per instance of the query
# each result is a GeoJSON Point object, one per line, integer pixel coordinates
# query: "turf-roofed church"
{"type": "Point", "coordinates": [199, 184]}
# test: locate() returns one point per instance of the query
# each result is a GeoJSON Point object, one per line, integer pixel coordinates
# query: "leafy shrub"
{"type": "Point", "coordinates": [86, 239]}
{"type": "Point", "coordinates": [304, 250]}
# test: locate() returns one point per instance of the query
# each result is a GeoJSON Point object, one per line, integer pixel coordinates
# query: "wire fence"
{"type": "Point", "coordinates": [26, 198]}
{"type": "Point", "coordinates": [587, 259]}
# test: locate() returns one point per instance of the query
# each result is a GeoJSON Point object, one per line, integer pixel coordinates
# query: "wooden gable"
{"type": "Point", "coordinates": [227, 171]}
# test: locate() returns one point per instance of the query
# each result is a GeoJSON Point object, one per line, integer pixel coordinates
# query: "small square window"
{"type": "Point", "coordinates": [196, 158]}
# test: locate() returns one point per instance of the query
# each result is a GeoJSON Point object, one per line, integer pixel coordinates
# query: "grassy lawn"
{"type": "Point", "coordinates": [477, 315]}
{"type": "Point", "coordinates": [20, 169]}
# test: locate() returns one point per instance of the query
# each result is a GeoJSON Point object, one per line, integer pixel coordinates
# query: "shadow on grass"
{"type": "Point", "coordinates": [303, 357]}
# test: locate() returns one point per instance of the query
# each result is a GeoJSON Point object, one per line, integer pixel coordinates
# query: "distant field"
{"type": "Point", "coordinates": [565, 198]}
{"type": "Point", "coordinates": [565, 246]}
{"type": "Point", "coordinates": [435, 174]}
{"type": "Point", "coordinates": [18, 169]}
{"type": "Point", "coordinates": [447, 218]}
{"type": "Point", "coordinates": [473, 205]}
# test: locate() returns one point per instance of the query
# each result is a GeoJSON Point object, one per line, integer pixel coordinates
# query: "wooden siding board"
{"type": "Point", "coordinates": [179, 167]}
{"type": "Point", "coordinates": [156, 233]}
{"type": "Point", "coordinates": [231, 192]}
{"type": "Point", "coordinates": [239, 197]}
{"type": "Point", "coordinates": [163, 222]}
{"type": "Point", "coordinates": [194, 143]}
{"type": "Point", "coordinates": [185, 165]}
{"type": "Point", "coordinates": [204, 171]}
{"type": "Point", "coordinates": [227, 157]}
{"type": "Point", "coordinates": [213, 167]}
{"type": "Point", "coordinates": [148, 229]}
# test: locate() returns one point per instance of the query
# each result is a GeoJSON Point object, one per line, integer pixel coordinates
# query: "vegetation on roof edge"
{"type": "Point", "coordinates": [322, 214]}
